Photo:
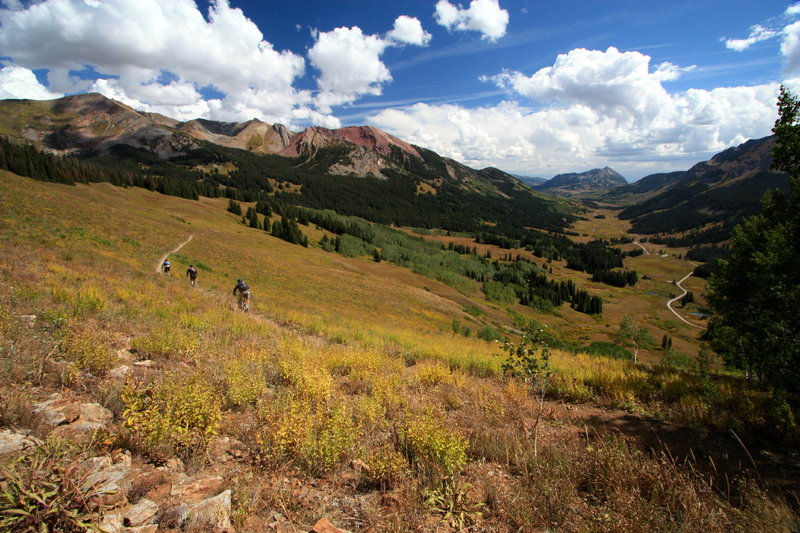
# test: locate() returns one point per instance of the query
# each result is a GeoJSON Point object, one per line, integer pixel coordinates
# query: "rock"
{"type": "Point", "coordinates": [196, 490]}
{"type": "Point", "coordinates": [174, 464]}
{"type": "Point", "coordinates": [151, 528]}
{"type": "Point", "coordinates": [92, 417]}
{"type": "Point", "coordinates": [147, 363]}
{"type": "Point", "coordinates": [324, 526]}
{"type": "Point", "coordinates": [144, 512]}
{"type": "Point", "coordinates": [14, 442]}
{"type": "Point", "coordinates": [121, 372]}
{"type": "Point", "coordinates": [360, 466]}
{"type": "Point", "coordinates": [29, 321]}
{"type": "Point", "coordinates": [107, 484]}
{"type": "Point", "coordinates": [57, 410]}
{"type": "Point", "coordinates": [111, 522]}
{"type": "Point", "coordinates": [225, 449]}
{"type": "Point", "coordinates": [213, 513]}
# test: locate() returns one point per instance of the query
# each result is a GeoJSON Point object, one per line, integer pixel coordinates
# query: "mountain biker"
{"type": "Point", "coordinates": [244, 294]}
{"type": "Point", "coordinates": [191, 273]}
{"type": "Point", "coordinates": [166, 266]}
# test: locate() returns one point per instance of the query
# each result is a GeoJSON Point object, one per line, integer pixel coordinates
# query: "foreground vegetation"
{"type": "Point", "coordinates": [340, 359]}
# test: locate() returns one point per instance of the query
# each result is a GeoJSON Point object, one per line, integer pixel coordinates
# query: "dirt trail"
{"type": "Point", "coordinates": [637, 243]}
{"type": "Point", "coordinates": [164, 257]}
{"type": "Point", "coordinates": [669, 303]}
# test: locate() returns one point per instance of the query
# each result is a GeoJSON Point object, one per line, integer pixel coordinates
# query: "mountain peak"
{"type": "Point", "coordinates": [595, 180]}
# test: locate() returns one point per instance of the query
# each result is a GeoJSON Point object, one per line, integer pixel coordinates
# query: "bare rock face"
{"type": "Point", "coordinates": [15, 442]}
{"type": "Point", "coordinates": [195, 490]}
{"type": "Point", "coordinates": [212, 514]}
{"type": "Point", "coordinates": [324, 526]}
{"type": "Point", "coordinates": [143, 513]}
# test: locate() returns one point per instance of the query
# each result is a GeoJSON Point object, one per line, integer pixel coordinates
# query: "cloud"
{"type": "Point", "coordinates": [590, 108]}
{"type": "Point", "coordinates": [617, 84]}
{"type": "Point", "coordinates": [134, 42]}
{"type": "Point", "coordinates": [758, 33]}
{"type": "Point", "coordinates": [408, 30]}
{"type": "Point", "coordinates": [484, 16]}
{"type": "Point", "coordinates": [19, 82]}
{"type": "Point", "coordinates": [350, 62]}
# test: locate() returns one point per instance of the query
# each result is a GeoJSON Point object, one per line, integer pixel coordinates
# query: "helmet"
{"type": "Point", "coordinates": [238, 281]}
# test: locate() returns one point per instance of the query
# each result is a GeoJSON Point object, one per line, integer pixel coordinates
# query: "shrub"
{"type": "Point", "coordinates": [181, 410]}
{"type": "Point", "coordinates": [609, 349]}
{"type": "Point", "coordinates": [387, 467]}
{"type": "Point", "coordinates": [245, 381]}
{"type": "Point", "coordinates": [315, 437]}
{"type": "Point", "coordinates": [488, 333]}
{"type": "Point", "coordinates": [166, 341]}
{"type": "Point", "coordinates": [678, 360]}
{"type": "Point", "coordinates": [431, 374]}
{"type": "Point", "coordinates": [84, 347]}
{"type": "Point", "coordinates": [433, 448]}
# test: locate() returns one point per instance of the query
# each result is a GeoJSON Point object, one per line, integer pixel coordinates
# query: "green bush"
{"type": "Point", "coordinates": [609, 349]}
{"type": "Point", "coordinates": [181, 410]}
{"type": "Point", "coordinates": [432, 446]}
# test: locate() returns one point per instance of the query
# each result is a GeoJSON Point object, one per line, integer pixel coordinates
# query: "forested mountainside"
{"type": "Point", "coordinates": [355, 171]}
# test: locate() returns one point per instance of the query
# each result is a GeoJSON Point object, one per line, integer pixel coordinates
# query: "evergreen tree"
{"type": "Point", "coordinates": [755, 293]}
{"type": "Point", "coordinates": [234, 207]}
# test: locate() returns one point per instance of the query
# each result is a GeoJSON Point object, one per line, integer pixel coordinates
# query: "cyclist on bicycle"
{"type": "Point", "coordinates": [244, 294]}
{"type": "Point", "coordinates": [166, 266]}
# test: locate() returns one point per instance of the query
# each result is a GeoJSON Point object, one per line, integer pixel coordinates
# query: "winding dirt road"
{"type": "Point", "coordinates": [669, 303]}
{"type": "Point", "coordinates": [164, 257]}
{"type": "Point", "coordinates": [678, 284]}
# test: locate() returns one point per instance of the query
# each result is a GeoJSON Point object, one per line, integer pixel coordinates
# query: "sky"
{"type": "Point", "coordinates": [534, 88]}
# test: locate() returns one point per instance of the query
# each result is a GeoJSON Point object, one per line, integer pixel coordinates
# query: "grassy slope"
{"type": "Point", "coordinates": [319, 373]}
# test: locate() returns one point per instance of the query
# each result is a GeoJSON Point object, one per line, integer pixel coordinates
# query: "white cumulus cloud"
{"type": "Point", "coordinates": [19, 82]}
{"type": "Point", "coordinates": [484, 16]}
{"type": "Point", "coordinates": [408, 30]}
{"type": "Point", "coordinates": [589, 109]}
{"type": "Point", "coordinates": [350, 63]}
{"type": "Point", "coordinates": [132, 43]}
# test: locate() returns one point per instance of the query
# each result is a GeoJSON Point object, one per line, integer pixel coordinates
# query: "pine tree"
{"type": "Point", "coordinates": [755, 294]}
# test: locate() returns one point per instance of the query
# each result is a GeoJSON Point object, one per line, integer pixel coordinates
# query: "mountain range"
{"type": "Point", "coordinates": [708, 199]}
{"type": "Point", "coordinates": [323, 167]}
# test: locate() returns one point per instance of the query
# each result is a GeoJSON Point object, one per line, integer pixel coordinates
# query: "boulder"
{"type": "Point", "coordinates": [324, 526]}
{"type": "Point", "coordinates": [121, 372]}
{"type": "Point", "coordinates": [15, 442]}
{"type": "Point", "coordinates": [57, 410]}
{"type": "Point", "coordinates": [195, 490]}
{"type": "Point", "coordinates": [29, 321]}
{"type": "Point", "coordinates": [212, 513]}
{"type": "Point", "coordinates": [143, 513]}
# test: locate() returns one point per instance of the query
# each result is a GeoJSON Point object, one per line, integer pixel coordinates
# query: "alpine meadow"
{"type": "Point", "coordinates": [268, 270]}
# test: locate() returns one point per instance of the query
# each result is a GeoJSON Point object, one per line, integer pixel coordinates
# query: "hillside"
{"type": "Point", "coordinates": [347, 394]}
{"type": "Point", "coordinates": [642, 190]}
{"type": "Point", "coordinates": [317, 167]}
{"type": "Point", "coordinates": [712, 196]}
{"type": "Point", "coordinates": [582, 184]}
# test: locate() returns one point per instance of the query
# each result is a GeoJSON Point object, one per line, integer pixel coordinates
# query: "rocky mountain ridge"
{"type": "Point", "coordinates": [717, 192]}
{"type": "Point", "coordinates": [577, 183]}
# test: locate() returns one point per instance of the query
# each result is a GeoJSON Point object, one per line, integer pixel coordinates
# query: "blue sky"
{"type": "Point", "coordinates": [532, 87]}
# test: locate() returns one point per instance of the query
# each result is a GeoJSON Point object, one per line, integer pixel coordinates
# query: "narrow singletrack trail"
{"type": "Point", "coordinates": [164, 257]}
{"type": "Point", "coordinates": [669, 303]}
{"type": "Point", "coordinates": [637, 243]}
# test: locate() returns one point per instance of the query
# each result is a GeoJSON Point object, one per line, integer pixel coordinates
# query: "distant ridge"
{"type": "Point", "coordinates": [709, 198]}
{"type": "Point", "coordinates": [591, 181]}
